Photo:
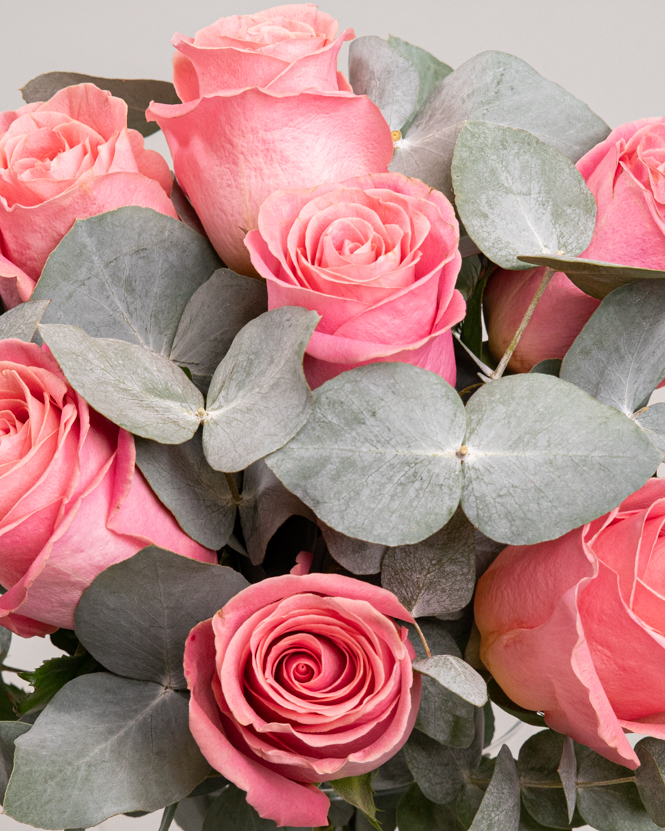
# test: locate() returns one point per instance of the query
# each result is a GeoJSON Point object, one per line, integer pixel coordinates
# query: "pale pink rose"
{"type": "Point", "coordinates": [265, 108]}
{"type": "Point", "coordinates": [67, 159]}
{"type": "Point", "coordinates": [377, 257]}
{"type": "Point", "coordinates": [626, 174]}
{"type": "Point", "coordinates": [299, 680]}
{"type": "Point", "coordinates": [71, 501]}
{"type": "Point", "coordinates": [575, 627]}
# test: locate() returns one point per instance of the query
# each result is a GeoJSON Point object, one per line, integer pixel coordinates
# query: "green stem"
{"type": "Point", "coordinates": [605, 783]}
{"type": "Point", "coordinates": [235, 494]}
{"type": "Point", "coordinates": [167, 817]}
{"type": "Point", "coordinates": [508, 354]}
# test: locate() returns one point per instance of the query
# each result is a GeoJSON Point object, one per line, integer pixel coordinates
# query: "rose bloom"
{"type": "Point", "coordinates": [265, 108]}
{"type": "Point", "coordinates": [71, 502]}
{"type": "Point", "coordinates": [626, 174]}
{"type": "Point", "coordinates": [298, 680]}
{"type": "Point", "coordinates": [69, 158]}
{"type": "Point", "coordinates": [575, 627]}
{"type": "Point", "coordinates": [377, 257]}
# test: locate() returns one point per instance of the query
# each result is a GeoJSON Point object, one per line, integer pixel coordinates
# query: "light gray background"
{"type": "Point", "coordinates": [607, 52]}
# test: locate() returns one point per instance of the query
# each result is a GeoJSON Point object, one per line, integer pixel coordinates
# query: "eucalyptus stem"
{"type": "Point", "coordinates": [167, 817]}
{"type": "Point", "coordinates": [512, 346]}
{"type": "Point", "coordinates": [422, 638]}
{"type": "Point", "coordinates": [235, 493]}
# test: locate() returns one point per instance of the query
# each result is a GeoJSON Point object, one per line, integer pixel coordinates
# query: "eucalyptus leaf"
{"type": "Point", "coordinates": [455, 675]}
{"type": "Point", "coordinates": [469, 275]}
{"type": "Point", "coordinates": [594, 277]}
{"type": "Point", "coordinates": [357, 556]}
{"type": "Point", "coordinates": [21, 322]}
{"type": "Point", "coordinates": [135, 388]}
{"type": "Point", "coordinates": [650, 777]}
{"type": "Point", "coordinates": [197, 496]}
{"type": "Point", "coordinates": [357, 791]}
{"type": "Point", "coordinates": [230, 811]}
{"type": "Point", "coordinates": [431, 71]}
{"type": "Point", "coordinates": [434, 768]}
{"type": "Point", "coordinates": [567, 771]}
{"type": "Point", "coordinates": [517, 195]}
{"type": "Point", "coordinates": [264, 507]}
{"type": "Point", "coordinates": [104, 745]}
{"type": "Point", "coordinates": [550, 366]}
{"type": "Point", "coordinates": [136, 616]}
{"type": "Point", "coordinates": [258, 397]}
{"type": "Point", "coordinates": [652, 420]}
{"type": "Point", "coordinates": [5, 643]}
{"type": "Point", "coordinates": [544, 458]}
{"type": "Point", "coordinates": [214, 315]}
{"type": "Point", "coordinates": [137, 93]}
{"type": "Point", "coordinates": [417, 813]}
{"type": "Point", "coordinates": [377, 458]}
{"type": "Point", "coordinates": [618, 357]}
{"type": "Point", "coordinates": [9, 732]}
{"type": "Point", "coordinates": [393, 774]}
{"type": "Point", "coordinates": [127, 274]}
{"type": "Point", "coordinates": [386, 77]}
{"type": "Point", "coordinates": [437, 575]}
{"type": "Point", "coordinates": [500, 807]}
{"type": "Point", "coordinates": [502, 89]}
{"type": "Point", "coordinates": [543, 794]}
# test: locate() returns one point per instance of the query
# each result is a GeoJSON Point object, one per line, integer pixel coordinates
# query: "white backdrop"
{"type": "Point", "coordinates": [607, 52]}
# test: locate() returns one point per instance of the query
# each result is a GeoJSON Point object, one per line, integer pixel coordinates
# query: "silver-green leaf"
{"type": "Point", "coordinates": [455, 675]}
{"type": "Point", "coordinates": [500, 807]}
{"type": "Point", "coordinates": [21, 322]}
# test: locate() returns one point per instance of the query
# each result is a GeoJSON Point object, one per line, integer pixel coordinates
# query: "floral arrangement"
{"type": "Point", "coordinates": [315, 450]}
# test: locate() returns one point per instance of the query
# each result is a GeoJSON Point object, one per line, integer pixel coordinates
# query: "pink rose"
{"type": "Point", "coordinates": [70, 158]}
{"type": "Point", "coordinates": [377, 257]}
{"type": "Point", "coordinates": [265, 108]}
{"type": "Point", "coordinates": [626, 174]}
{"type": "Point", "coordinates": [71, 501]}
{"type": "Point", "coordinates": [298, 680]}
{"type": "Point", "coordinates": [575, 627]}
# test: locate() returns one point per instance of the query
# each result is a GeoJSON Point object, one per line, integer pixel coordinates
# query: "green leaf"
{"type": "Point", "coordinates": [455, 675]}
{"type": "Point", "coordinates": [340, 812]}
{"type": "Point", "coordinates": [230, 811]}
{"type": "Point", "coordinates": [550, 366]}
{"type": "Point", "coordinates": [652, 420]}
{"type": "Point", "coordinates": [197, 496]}
{"type": "Point", "coordinates": [357, 791]}
{"type": "Point", "coordinates": [544, 457]}
{"type": "Point", "coordinates": [618, 356]}
{"type": "Point", "coordinates": [500, 807]}
{"type": "Point", "coordinates": [386, 77]}
{"type": "Point", "coordinates": [517, 195]}
{"type": "Point", "coordinates": [502, 89]}
{"type": "Point", "coordinates": [264, 508]}
{"type": "Point", "coordinates": [594, 277]}
{"type": "Point", "coordinates": [567, 771]}
{"type": "Point", "coordinates": [357, 556]}
{"type": "Point", "coordinates": [9, 732]}
{"type": "Point", "coordinates": [417, 813]}
{"type": "Point", "coordinates": [650, 777]}
{"type": "Point", "coordinates": [137, 93]}
{"type": "Point", "coordinates": [103, 746]}
{"type": "Point", "coordinates": [22, 322]}
{"type": "Point", "coordinates": [126, 274]}
{"type": "Point", "coordinates": [543, 794]}
{"type": "Point", "coordinates": [392, 775]}
{"type": "Point", "coordinates": [434, 768]}
{"type": "Point", "coordinates": [377, 458]}
{"type": "Point", "coordinates": [386, 809]}
{"type": "Point", "coordinates": [437, 575]}
{"type": "Point", "coordinates": [135, 388]}
{"type": "Point", "coordinates": [431, 71]}
{"type": "Point", "coordinates": [135, 616]}
{"type": "Point", "coordinates": [215, 314]}
{"type": "Point", "coordinates": [608, 807]}
{"type": "Point", "coordinates": [258, 397]}
{"type": "Point", "coordinates": [498, 696]}
{"type": "Point", "coordinates": [52, 676]}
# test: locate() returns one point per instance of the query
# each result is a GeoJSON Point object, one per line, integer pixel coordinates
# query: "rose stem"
{"type": "Point", "coordinates": [422, 638]}
{"type": "Point", "coordinates": [235, 494]}
{"type": "Point", "coordinates": [167, 817]}
{"type": "Point", "coordinates": [498, 372]}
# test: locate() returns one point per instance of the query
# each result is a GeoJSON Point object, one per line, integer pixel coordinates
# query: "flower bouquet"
{"type": "Point", "coordinates": [315, 450]}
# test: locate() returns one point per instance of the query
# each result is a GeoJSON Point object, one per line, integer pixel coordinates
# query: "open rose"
{"type": "Point", "coordinates": [71, 501]}
{"type": "Point", "coordinates": [626, 174]}
{"type": "Point", "coordinates": [575, 627]}
{"type": "Point", "coordinates": [67, 159]}
{"type": "Point", "coordinates": [298, 680]}
{"type": "Point", "coordinates": [377, 257]}
{"type": "Point", "coordinates": [265, 108]}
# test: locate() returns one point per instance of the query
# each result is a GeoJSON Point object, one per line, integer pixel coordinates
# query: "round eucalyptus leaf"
{"type": "Point", "coordinates": [650, 777]}
{"type": "Point", "coordinates": [135, 617]}
{"type": "Point", "coordinates": [434, 768]}
{"type": "Point", "coordinates": [9, 732]}
{"type": "Point", "coordinates": [543, 794]}
{"type": "Point", "coordinates": [518, 195]}
{"type": "Point", "coordinates": [455, 675]}
{"type": "Point", "coordinates": [544, 458]}
{"type": "Point", "coordinates": [357, 556]}
{"type": "Point", "coordinates": [104, 746]}
{"type": "Point", "coordinates": [133, 387]}
{"type": "Point", "coordinates": [377, 459]}
{"type": "Point", "coordinates": [417, 813]}
{"type": "Point", "coordinates": [22, 321]}
{"type": "Point", "coordinates": [652, 421]}
{"type": "Point", "coordinates": [431, 71]}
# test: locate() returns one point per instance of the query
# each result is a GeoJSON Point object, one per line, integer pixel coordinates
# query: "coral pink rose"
{"type": "Point", "coordinates": [70, 158]}
{"type": "Point", "coordinates": [265, 108]}
{"type": "Point", "coordinates": [299, 680]}
{"type": "Point", "coordinates": [575, 627]}
{"type": "Point", "coordinates": [71, 501]}
{"type": "Point", "coordinates": [377, 257]}
{"type": "Point", "coordinates": [626, 174]}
